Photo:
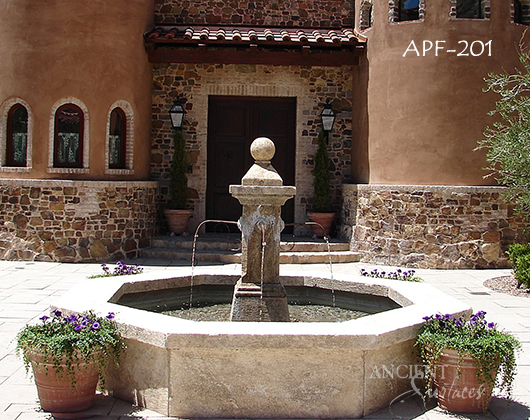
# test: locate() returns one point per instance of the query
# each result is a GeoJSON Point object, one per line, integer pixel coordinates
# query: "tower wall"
{"type": "Point", "coordinates": [426, 110]}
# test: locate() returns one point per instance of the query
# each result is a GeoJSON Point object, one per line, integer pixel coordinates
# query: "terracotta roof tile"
{"type": "Point", "coordinates": [213, 34]}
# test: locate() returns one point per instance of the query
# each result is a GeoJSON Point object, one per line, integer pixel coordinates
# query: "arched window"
{"type": "Point", "coordinates": [17, 136]}
{"type": "Point", "coordinates": [68, 137]}
{"type": "Point", "coordinates": [366, 14]}
{"type": "Point", "coordinates": [408, 10]}
{"type": "Point", "coordinates": [470, 9]}
{"type": "Point", "coordinates": [117, 139]}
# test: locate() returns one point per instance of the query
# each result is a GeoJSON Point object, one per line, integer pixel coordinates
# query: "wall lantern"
{"type": "Point", "coordinates": [176, 113]}
{"type": "Point", "coordinates": [328, 118]}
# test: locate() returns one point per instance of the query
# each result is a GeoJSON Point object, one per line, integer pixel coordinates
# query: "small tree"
{"type": "Point", "coordinates": [178, 180]}
{"type": "Point", "coordinates": [321, 179]}
{"type": "Point", "coordinates": [508, 141]}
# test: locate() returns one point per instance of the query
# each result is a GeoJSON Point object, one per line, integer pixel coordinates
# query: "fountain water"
{"type": "Point", "coordinates": [184, 368]}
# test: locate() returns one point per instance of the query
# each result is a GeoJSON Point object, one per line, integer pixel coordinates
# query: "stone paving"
{"type": "Point", "coordinates": [28, 288]}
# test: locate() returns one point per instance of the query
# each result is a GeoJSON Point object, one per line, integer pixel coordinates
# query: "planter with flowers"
{"type": "Point", "coordinates": [69, 355]}
{"type": "Point", "coordinates": [465, 359]}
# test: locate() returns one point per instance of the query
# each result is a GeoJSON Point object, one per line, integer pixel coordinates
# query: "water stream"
{"type": "Point", "coordinates": [194, 247]}
{"type": "Point", "coordinates": [301, 312]}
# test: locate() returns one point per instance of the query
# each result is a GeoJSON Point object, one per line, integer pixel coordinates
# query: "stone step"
{"type": "Point", "coordinates": [228, 257]}
{"type": "Point", "coordinates": [226, 249]}
{"type": "Point", "coordinates": [232, 242]}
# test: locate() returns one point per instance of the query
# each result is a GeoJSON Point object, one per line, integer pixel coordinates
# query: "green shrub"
{"type": "Point", "coordinates": [178, 180]}
{"type": "Point", "coordinates": [321, 178]}
{"type": "Point", "coordinates": [520, 257]}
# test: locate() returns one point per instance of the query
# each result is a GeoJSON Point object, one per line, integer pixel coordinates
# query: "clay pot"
{"type": "Point", "coordinates": [457, 387]}
{"type": "Point", "coordinates": [324, 220]}
{"type": "Point", "coordinates": [64, 393]}
{"type": "Point", "coordinates": [177, 220]}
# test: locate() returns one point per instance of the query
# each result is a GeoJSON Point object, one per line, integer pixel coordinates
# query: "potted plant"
{"type": "Point", "coordinates": [69, 356]}
{"type": "Point", "coordinates": [322, 215]}
{"type": "Point", "coordinates": [465, 359]}
{"type": "Point", "coordinates": [177, 216]}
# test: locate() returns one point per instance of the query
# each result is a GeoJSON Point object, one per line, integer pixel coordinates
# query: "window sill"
{"type": "Point", "coordinates": [15, 169]}
{"type": "Point", "coordinates": [68, 170]}
{"type": "Point", "coordinates": [119, 171]}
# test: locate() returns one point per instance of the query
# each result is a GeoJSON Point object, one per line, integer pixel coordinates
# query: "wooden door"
{"type": "Point", "coordinates": [233, 123]}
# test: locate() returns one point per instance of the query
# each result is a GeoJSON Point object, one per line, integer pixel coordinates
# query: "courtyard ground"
{"type": "Point", "coordinates": [28, 288]}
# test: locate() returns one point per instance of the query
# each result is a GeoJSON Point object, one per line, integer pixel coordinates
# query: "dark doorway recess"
{"type": "Point", "coordinates": [233, 123]}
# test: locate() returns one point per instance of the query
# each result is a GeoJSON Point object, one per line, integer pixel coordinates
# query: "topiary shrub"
{"type": "Point", "coordinates": [321, 178]}
{"type": "Point", "coordinates": [178, 180]}
{"type": "Point", "coordinates": [520, 257]}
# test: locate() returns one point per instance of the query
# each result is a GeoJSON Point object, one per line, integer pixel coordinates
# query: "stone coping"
{"type": "Point", "coordinates": [77, 183]}
{"type": "Point", "coordinates": [423, 188]}
{"type": "Point", "coordinates": [370, 332]}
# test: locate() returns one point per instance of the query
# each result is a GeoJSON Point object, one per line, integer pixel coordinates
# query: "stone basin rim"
{"type": "Point", "coordinates": [396, 325]}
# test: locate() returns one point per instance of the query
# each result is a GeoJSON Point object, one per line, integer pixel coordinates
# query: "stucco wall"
{"type": "Point", "coordinates": [422, 116]}
{"type": "Point", "coordinates": [91, 51]}
{"type": "Point", "coordinates": [310, 86]}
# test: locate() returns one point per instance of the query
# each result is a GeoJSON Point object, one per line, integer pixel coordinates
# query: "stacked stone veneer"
{"type": "Point", "coordinates": [309, 13]}
{"type": "Point", "coordinates": [431, 226]}
{"type": "Point", "coordinates": [74, 221]}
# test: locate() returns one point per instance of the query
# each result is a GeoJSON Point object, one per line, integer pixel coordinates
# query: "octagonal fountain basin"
{"type": "Point", "coordinates": [184, 368]}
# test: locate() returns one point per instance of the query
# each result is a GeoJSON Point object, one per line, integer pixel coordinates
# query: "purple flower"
{"type": "Point", "coordinates": [57, 313]}
{"type": "Point", "coordinates": [78, 327]}
{"type": "Point", "coordinates": [44, 318]}
{"type": "Point", "coordinates": [71, 319]}
{"type": "Point", "coordinates": [426, 318]}
{"type": "Point", "coordinates": [95, 326]}
{"type": "Point", "coordinates": [110, 315]}
{"type": "Point", "coordinates": [491, 325]}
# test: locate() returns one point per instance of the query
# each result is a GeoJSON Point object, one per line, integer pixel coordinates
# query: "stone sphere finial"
{"type": "Point", "coordinates": [262, 149]}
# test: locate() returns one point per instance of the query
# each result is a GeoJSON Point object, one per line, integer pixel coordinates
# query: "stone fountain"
{"type": "Point", "coordinates": [188, 369]}
{"type": "Point", "coordinates": [259, 295]}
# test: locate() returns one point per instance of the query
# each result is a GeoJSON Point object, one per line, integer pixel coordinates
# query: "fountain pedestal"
{"type": "Point", "coordinates": [259, 294]}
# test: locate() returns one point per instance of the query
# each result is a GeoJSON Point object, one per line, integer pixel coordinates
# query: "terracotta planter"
{"type": "Point", "coordinates": [323, 219]}
{"type": "Point", "coordinates": [177, 220]}
{"type": "Point", "coordinates": [56, 392]}
{"type": "Point", "coordinates": [457, 387]}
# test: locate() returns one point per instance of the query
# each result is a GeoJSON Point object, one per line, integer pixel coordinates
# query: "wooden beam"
{"type": "Point", "coordinates": [303, 57]}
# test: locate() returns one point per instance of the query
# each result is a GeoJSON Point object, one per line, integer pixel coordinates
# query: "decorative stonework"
{"type": "Point", "coordinates": [431, 226]}
{"type": "Point", "coordinates": [75, 221]}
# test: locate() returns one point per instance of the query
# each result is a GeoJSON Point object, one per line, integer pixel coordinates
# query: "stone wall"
{"type": "Point", "coordinates": [431, 226]}
{"type": "Point", "coordinates": [309, 13]}
{"type": "Point", "coordinates": [75, 221]}
{"type": "Point", "coordinates": [311, 86]}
